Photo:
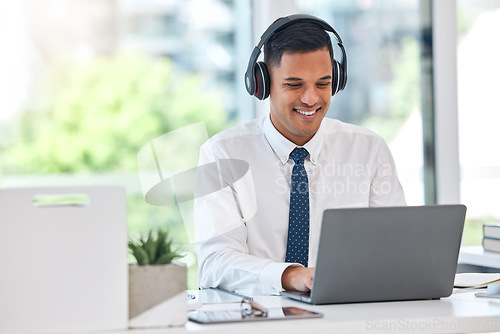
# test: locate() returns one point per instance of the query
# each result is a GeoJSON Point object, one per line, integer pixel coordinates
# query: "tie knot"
{"type": "Point", "coordinates": [299, 154]}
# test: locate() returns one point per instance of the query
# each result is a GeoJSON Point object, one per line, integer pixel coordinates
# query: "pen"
{"type": "Point", "coordinates": [245, 298]}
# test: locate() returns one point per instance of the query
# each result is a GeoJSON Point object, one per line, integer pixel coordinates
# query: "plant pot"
{"type": "Point", "coordinates": [151, 285]}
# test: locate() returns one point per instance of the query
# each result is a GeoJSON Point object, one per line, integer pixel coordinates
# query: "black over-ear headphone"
{"type": "Point", "coordinates": [257, 80]}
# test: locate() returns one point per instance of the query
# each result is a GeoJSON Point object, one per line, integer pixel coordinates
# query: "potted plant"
{"type": "Point", "coordinates": [156, 277]}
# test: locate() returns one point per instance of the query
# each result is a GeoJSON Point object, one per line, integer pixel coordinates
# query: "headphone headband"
{"type": "Point", "coordinates": [281, 23]}
{"type": "Point", "coordinates": [287, 20]}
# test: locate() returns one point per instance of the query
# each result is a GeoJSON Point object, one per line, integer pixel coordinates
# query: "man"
{"type": "Point", "coordinates": [257, 230]}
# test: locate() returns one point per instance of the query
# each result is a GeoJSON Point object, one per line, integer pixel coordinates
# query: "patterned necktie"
{"type": "Point", "coordinates": [297, 248]}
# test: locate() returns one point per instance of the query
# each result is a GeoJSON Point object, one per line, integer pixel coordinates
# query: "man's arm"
{"type": "Point", "coordinates": [385, 189]}
{"type": "Point", "coordinates": [223, 208]}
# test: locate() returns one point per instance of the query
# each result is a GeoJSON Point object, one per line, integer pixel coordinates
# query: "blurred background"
{"type": "Point", "coordinates": [84, 84]}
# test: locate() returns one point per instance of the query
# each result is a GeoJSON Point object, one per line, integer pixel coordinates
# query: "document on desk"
{"type": "Point", "coordinates": [475, 280]}
{"type": "Point", "coordinates": [217, 296]}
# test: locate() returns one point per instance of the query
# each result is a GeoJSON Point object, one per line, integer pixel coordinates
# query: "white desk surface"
{"type": "Point", "coordinates": [459, 313]}
{"type": "Point", "coordinates": [476, 255]}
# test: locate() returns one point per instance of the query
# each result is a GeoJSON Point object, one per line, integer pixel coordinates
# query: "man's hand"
{"type": "Point", "coordinates": [297, 278]}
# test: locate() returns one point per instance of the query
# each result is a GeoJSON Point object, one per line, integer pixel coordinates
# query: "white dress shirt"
{"type": "Point", "coordinates": [241, 211]}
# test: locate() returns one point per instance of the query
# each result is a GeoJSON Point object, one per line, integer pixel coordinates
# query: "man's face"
{"type": "Point", "coordinates": [301, 89]}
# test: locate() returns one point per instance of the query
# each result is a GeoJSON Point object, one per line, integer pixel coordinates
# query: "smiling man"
{"type": "Point", "coordinates": [257, 230]}
{"type": "Point", "coordinates": [301, 90]}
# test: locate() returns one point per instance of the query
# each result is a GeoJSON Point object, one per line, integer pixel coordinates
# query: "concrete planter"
{"type": "Point", "coordinates": [152, 285]}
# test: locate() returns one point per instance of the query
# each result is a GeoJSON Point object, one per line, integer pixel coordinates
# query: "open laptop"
{"type": "Point", "coordinates": [386, 254]}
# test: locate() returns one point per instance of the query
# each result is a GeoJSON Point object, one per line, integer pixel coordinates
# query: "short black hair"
{"type": "Point", "coordinates": [297, 37]}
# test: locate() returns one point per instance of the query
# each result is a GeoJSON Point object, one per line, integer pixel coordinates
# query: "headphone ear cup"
{"type": "Point", "coordinates": [335, 77]}
{"type": "Point", "coordinates": [263, 81]}
{"type": "Point", "coordinates": [342, 77]}
{"type": "Point", "coordinates": [339, 75]}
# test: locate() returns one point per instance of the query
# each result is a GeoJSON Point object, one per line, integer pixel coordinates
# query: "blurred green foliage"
{"type": "Point", "coordinates": [473, 230]}
{"type": "Point", "coordinates": [102, 111]}
{"type": "Point", "coordinates": [404, 93]}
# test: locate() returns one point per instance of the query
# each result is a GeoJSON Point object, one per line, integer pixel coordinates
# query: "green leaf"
{"type": "Point", "coordinates": [161, 236]}
{"type": "Point", "coordinates": [151, 246]}
{"type": "Point", "coordinates": [139, 253]}
{"type": "Point", "coordinates": [167, 258]}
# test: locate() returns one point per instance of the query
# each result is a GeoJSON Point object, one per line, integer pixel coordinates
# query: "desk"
{"type": "Point", "coordinates": [475, 259]}
{"type": "Point", "coordinates": [460, 313]}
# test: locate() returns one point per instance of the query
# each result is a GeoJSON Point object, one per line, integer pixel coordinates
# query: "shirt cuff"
{"type": "Point", "coordinates": [271, 275]}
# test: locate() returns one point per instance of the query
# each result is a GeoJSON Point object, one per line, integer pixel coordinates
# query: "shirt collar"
{"type": "Point", "coordinates": [283, 147]}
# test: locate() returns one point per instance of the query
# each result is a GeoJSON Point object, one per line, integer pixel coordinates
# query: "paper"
{"type": "Point", "coordinates": [470, 280]}
{"type": "Point", "coordinates": [216, 296]}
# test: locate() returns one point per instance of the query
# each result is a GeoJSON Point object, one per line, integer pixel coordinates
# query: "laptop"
{"type": "Point", "coordinates": [386, 254]}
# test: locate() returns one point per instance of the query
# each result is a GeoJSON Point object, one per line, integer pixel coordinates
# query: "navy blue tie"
{"type": "Point", "coordinates": [297, 248]}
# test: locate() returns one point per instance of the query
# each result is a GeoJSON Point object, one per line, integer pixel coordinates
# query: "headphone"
{"type": "Point", "coordinates": [257, 79]}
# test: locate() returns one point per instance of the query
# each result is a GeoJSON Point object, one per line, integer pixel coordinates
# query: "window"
{"type": "Point", "coordinates": [78, 103]}
{"type": "Point", "coordinates": [383, 93]}
{"type": "Point", "coordinates": [479, 116]}
{"type": "Point", "coordinates": [87, 83]}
